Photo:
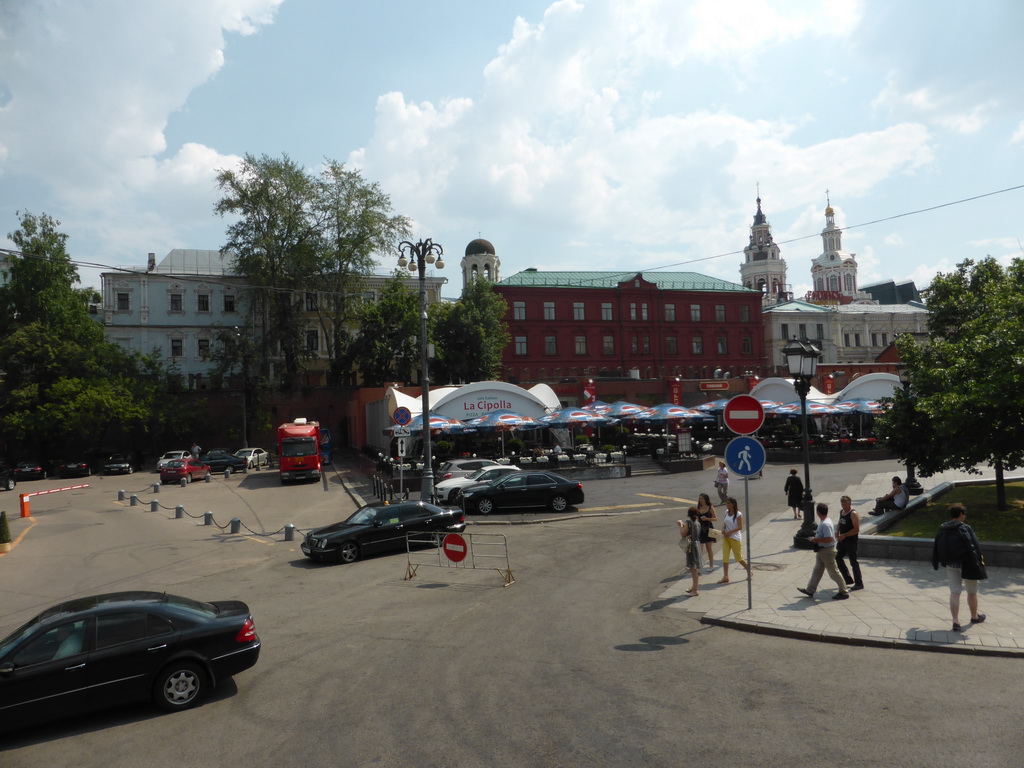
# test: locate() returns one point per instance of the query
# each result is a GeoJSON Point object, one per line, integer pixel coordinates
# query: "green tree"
{"type": "Point", "coordinates": [966, 401]}
{"type": "Point", "coordinates": [474, 325]}
{"type": "Point", "coordinates": [385, 347]}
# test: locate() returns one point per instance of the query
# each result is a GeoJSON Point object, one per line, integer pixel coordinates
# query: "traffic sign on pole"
{"type": "Point", "coordinates": [745, 456]}
{"type": "Point", "coordinates": [401, 447]}
{"type": "Point", "coordinates": [743, 414]}
{"type": "Point", "coordinates": [454, 547]}
{"type": "Point", "coordinates": [402, 415]}
{"type": "Point", "coordinates": [401, 432]}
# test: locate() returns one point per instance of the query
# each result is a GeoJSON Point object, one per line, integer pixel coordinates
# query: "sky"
{"type": "Point", "coordinates": [573, 135]}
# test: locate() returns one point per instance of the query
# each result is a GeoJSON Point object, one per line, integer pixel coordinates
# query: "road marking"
{"type": "Point", "coordinates": [619, 506]}
{"type": "Point", "coordinates": [669, 498]}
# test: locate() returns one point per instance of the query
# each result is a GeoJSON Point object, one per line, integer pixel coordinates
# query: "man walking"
{"type": "Point", "coordinates": [957, 548]}
{"type": "Point", "coordinates": [825, 557]}
{"type": "Point", "coordinates": [846, 545]}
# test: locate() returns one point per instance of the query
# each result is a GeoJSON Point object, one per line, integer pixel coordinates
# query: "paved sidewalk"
{"type": "Point", "coordinates": [904, 604]}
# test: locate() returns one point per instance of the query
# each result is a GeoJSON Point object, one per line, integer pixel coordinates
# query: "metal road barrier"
{"type": "Point", "coordinates": [24, 498]}
{"type": "Point", "coordinates": [468, 551]}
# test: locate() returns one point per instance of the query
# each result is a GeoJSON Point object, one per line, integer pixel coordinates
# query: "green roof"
{"type": "Point", "coordinates": [666, 281]}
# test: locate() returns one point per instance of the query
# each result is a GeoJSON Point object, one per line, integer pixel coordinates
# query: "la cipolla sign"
{"type": "Point", "coordinates": [480, 398]}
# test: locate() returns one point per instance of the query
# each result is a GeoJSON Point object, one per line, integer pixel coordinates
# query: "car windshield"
{"type": "Point", "coordinates": [477, 473]}
{"type": "Point", "coordinates": [172, 455]}
{"type": "Point", "coordinates": [298, 446]}
{"type": "Point", "coordinates": [364, 516]}
{"type": "Point", "coordinates": [17, 635]}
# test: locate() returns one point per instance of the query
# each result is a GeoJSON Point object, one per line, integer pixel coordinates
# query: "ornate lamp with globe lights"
{"type": "Point", "coordinates": [416, 257]}
{"type": "Point", "coordinates": [802, 361]}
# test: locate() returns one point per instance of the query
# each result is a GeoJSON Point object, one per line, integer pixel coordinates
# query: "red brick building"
{"type": "Point", "coordinates": [652, 325]}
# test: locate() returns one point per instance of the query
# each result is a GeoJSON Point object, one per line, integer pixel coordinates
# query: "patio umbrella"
{"type": "Point", "coordinates": [438, 424]}
{"type": "Point", "coordinates": [813, 409]}
{"type": "Point", "coordinates": [598, 406]}
{"type": "Point", "coordinates": [502, 422]}
{"type": "Point", "coordinates": [574, 417]}
{"type": "Point", "coordinates": [670, 412]}
{"type": "Point", "coordinates": [621, 409]}
{"type": "Point", "coordinates": [714, 406]}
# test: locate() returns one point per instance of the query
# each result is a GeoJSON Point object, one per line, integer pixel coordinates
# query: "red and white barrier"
{"type": "Point", "coordinates": [25, 496]}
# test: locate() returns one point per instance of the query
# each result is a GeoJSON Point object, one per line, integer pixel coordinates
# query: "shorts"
{"type": "Point", "coordinates": [734, 546]}
{"type": "Point", "coordinates": [957, 584]}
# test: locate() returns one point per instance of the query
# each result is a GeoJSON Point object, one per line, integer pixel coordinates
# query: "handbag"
{"type": "Point", "coordinates": [714, 533]}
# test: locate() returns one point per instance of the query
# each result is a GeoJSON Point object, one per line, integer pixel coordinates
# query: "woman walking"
{"type": "Point", "coordinates": [706, 515]}
{"type": "Point", "coordinates": [794, 490]}
{"type": "Point", "coordinates": [722, 482]}
{"type": "Point", "coordinates": [732, 538]}
{"type": "Point", "coordinates": [689, 535]}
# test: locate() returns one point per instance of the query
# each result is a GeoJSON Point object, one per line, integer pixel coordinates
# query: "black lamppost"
{"type": "Point", "coordinates": [419, 255]}
{"type": "Point", "coordinates": [802, 360]}
{"type": "Point", "coordinates": [913, 486]}
{"type": "Point", "coordinates": [245, 386]}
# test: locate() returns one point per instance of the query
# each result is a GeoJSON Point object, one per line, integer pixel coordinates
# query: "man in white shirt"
{"type": "Point", "coordinates": [825, 558]}
{"type": "Point", "coordinates": [897, 498]}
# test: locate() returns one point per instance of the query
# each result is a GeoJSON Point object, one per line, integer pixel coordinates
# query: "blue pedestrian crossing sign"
{"type": "Point", "coordinates": [745, 456]}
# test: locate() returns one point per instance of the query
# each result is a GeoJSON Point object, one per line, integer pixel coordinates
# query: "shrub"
{"type": "Point", "coordinates": [5, 529]}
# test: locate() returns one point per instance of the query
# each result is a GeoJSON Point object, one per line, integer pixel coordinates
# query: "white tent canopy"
{"type": "Point", "coordinates": [480, 398]}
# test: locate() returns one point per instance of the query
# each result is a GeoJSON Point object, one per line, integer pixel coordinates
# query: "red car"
{"type": "Point", "coordinates": [190, 469]}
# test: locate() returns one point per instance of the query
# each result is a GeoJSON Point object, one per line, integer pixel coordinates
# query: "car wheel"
{"type": "Point", "coordinates": [559, 503]}
{"type": "Point", "coordinates": [485, 506]}
{"type": "Point", "coordinates": [9, 484]}
{"type": "Point", "coordinates": [188, 478]}
{"type": "Point", "coordinates": [130, 470]}
{"type": "Point", "coordinates": [179, 686]}
{"type": "Point", "coordinates": [348, 552]}
{"type": "Point", "coordinates": [453, 496]}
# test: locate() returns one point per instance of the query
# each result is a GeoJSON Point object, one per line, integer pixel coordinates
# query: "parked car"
{"type": "Point", "coordinates": [105, 650]}
{"type": "Point", "coordinates": [379, 528]}
{"type": "Point", "coordinates": [171, 456]}
{"type": "Point", "coordinates": [256, 457]}
{"type": "Point", "coordinates": [448, 490]}
{"type": "Point", "coordinates": [8, 480]}
{"type": "Point", "coordinates": [29, 470]}
{"type": "Point", "coordinates": [74, 468]}
{"type": "Point", "coordinates": [463, 467]}
{"type": "Point", "coordinates": [522, 489]}
{"type": "Point", "coordinates": [190, 469]}
{"type": "Point", "coordinates": [220, 460]}
{"type": "Point", "coordinates": [118, 464]}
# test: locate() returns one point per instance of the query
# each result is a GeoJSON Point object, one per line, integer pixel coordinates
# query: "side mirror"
{"type": "Point", "coordinates": [376, 522]}
{"type": "Point", "coordinates": [6, 668]}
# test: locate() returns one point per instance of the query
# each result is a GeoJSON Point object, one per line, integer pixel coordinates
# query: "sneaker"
{"type": "Point", "coordinates": [873, 513]}
{"type": "Point", "coordinates": [805, 592]}
{"type": "Point", "coordinates": [841, 596]}
{"type": "Point", "coordinates": [981, 618]}
{"type": "Point", "coordinates": [855, 587]}
{"type": "Point", "coordinates": [956, 627]}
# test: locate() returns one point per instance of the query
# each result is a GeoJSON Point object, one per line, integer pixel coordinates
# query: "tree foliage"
{"type": "Point", "coordinates": [966, 401]}
{"type": "Point", "coordinates": [470, 335]}
{"type": "Point", "coordinates": [300, 234]}
{"type": "Point", "coordinates": [385, 348]}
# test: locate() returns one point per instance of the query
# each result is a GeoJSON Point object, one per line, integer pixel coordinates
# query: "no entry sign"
{"type": "Point", "coordinates": [743, 414]}
{"type": "Point", "coordinates": [454, 547]}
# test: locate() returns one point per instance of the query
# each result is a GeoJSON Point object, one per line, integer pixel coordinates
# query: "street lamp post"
{"type": "Point", "coordinates": [419, 255]}
{"type": "Point", "coordinates": [913, 486]}
{"type": "Point", "coordinates": [802, 359]}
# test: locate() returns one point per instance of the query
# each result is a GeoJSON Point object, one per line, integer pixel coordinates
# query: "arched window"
{"type": "Point", "coordinates": [819, 284]}
{"type": "Point", "coordinates": [833, 282]}
{"type": "Point", "coordinates": [848, 279]}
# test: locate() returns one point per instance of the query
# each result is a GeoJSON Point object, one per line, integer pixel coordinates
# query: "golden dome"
{"type": "Point", "coordinates": [829, 211]}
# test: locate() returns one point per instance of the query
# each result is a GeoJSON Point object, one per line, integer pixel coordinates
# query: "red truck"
{"type": "Point", "coordinates": [298, 450]}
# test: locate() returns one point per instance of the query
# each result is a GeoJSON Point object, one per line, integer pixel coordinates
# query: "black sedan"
{"type": "Point", "coordinates": [29, 470]}
{"type": "Point", "coordinates": [74, 468]}
{"type": "Point", "coordinates": [522, 489]}
{"type": "Point", "coordinates": [381, 528]}
{"type": "Point", "coordinates": [96, 652]}
{"type": "Point", "coordinates": [218, 461]}
{"type": "Point", "coordinates": [118, 464]}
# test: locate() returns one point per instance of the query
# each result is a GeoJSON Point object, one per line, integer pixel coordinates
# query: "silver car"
{"type": "Point", "coordinates": [448, 490]}
{"type": "Point", "coordinates": [463, 467]}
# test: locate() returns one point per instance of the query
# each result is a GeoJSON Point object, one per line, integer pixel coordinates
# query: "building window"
{"type": "Point", "coordinates": [581, 345]}
{"type": "Point", "coordinates": [229, 302]}
{"type": "Point", "coordinates": [203, 302]}
{"type": "Point", "coordinates": [520, 345]}
{"type": "Point", "coordinates": [821, 331]}
{"type": "Point", "coordinates": [519, 310]}
{"type": "Point", "coordinates": [577, 311]}
{"type": "Point", "coordinates": [606, 311]}
{"type": "Point", "coordinates": [609, 345]}
{"type": "Point", "coordinates": [203, 348]}
{"type": "Point", "coordinates": [176, 302]}
{"type": "Point", "coordinates": [695, 313]}
{"type": "Point", "coordinates": [123, 302]}
{"type": "Point", "coordinates": [785, 331]}
{"type": "Point", "coordinates": [635, 345]}
{"type": "Point", "coordinates": [848, 279]}
{"type": "Point", "coordinates": [550, 345]}
{"type": "Point", "coordinates": [549, 310]}
{"type": "Point", "coordinates": [744, 313]}
{"type": "Point", "coordinates": [723, 345]}
{"type": "Point", "coordinates": [647, 345]}
{"type": "Point", "coordinates": [177, 348]}
{"type": "Point", "coordinates": [719, 313]}
{"type": "Point", "coordinates": [747, 345]}
{"type": "Point", "coordinates": [846, 339]}
{"type": "Point", "coordinates": [698, 345]}
{"type": "Point", "coordinates": [313, 340]}
{"type": "Point", "coordinates": [670, 313]}
{"type": "Point", "coordinates": [310, 302]}
{"type": "Point", "coordinates": [803, 330]}
{"type": "Point", "coordinates": [643, 311]}
{"type": "Point", "coordinates": [874, 339]}
{"type": "Point", "coordinates": [671, 345]}
{"type": "Point", "coordinates": [632, 311]}
{"type": "Point", "coordinates": [856, 339]}
{"type": "Point", "coordinates": [885, 339]}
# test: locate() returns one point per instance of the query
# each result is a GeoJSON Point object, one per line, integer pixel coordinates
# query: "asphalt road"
{"type": "Point", "coordinates": [579, 663]}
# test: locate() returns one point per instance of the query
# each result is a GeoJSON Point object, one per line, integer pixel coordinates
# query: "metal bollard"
{"type": "Point", "coordinates": [179, 512]}
{"type": "Point", "coordinates": [208, 518]}
{"type": "Point", "coordinates": [154, 505]}
{"type": "Point", "coordinates": [208, 478]}
{"type": "Point", "coordinates": [257, 466]}
{"type": "Point", "coordinates": [236, 525]}
{"type": "Point", "coordinates": [156, 487]}
{"type": "Point", "coordinates": [245, 469]}
{"type": "Point", "coordinates": [227, 473]}
{"type": "Point", "coordinates": [120, 495]}
{"type": "Point", "coordinates": [183, 482]}
{"type": "Point", "coordinates": [133, 501]}
{"type": "Point", "coordinates": [289, 532]}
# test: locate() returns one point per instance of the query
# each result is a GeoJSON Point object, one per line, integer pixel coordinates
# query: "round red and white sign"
{"type": "Point", "coordinates": [454, 547]}
{"type": "Point", "coordinates": [743, 414]}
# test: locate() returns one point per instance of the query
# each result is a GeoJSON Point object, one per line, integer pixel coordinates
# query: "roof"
{"type": "Point", "coordinates": [796, 305]}
{"type": "Point", "coordinates": [182, 261]}
{"type": "Point", "coordinates": [882, 309]}
{"type": "Point", "coordinates": [666, 281]}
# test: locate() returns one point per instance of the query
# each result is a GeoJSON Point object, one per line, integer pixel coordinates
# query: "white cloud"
{"type": "Point", "coordinates": [1018, 135]}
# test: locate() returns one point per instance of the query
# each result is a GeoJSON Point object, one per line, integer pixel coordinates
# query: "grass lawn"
{"type": "Point", "coordinates": [989, 523]}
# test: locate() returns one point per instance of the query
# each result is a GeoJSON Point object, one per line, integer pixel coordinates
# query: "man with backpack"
{"type": "Point", "coordinates": [957, 548]}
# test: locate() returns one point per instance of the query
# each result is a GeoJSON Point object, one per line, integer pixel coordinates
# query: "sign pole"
{"type": "Point", "coordinates": [750, 563]}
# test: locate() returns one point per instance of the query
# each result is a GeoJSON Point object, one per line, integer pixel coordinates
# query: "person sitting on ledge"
{"type": "Point", "coordinates": [897, 498]}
